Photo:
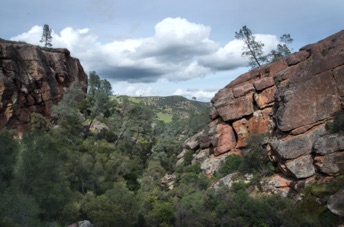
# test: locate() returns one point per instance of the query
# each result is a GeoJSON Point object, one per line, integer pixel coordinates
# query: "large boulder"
{"type": "Point", "coordinates": [329, 144]}
{"type": "Point", "coordinates": [212, 164]}
{"type": "Point", "coordinates": [301, 167]}
{"type": "Point", "coordinates": [295, 146]}
{"type": "Point", "coordinates": [319, 101]}
{"type": "Point", "coordinates": [235, 108]}
{"type": "Point", "coordinates": [336, 203]}
{"type": "Point", "coordinates": [331, 164]}
{"type": "Point", "coordinates": [224, 139]}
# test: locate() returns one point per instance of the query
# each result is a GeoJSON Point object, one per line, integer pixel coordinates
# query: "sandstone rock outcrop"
{"type": "Point", "coordinates": [33, 79]}
{"type": "Point", "coordinates": [290, 101]}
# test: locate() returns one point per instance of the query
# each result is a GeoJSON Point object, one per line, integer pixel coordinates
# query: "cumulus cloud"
{"type": "Point", "coordinates": [178, 50]}
{"type": "Point", "coordinates": [132, 89]}
{"type": "Point", "coordinates": [229, 57]}
{"type": "Point", "coordinates": [201, 95]}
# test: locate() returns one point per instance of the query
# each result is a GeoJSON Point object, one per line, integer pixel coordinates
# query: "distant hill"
{"type": "Point", "coordinates": [167, 107]}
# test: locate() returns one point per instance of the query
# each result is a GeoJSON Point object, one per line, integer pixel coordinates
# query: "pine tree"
{"type": "Point", "coordinates": [282, 49]}
{"type": "Point", "coordinates": [46, 36]}
{"type": "Point", "coordinates": [252, 49]}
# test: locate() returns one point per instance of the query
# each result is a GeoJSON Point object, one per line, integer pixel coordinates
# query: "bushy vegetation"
{"type": "Point", "coordinates": [11, 41]}
{"type": "Point", "coordinates": [103, 160]}
{"type": "Point", "coordinates": [254, 160]}
{"type": "Point", "coordinates": [337, 126]}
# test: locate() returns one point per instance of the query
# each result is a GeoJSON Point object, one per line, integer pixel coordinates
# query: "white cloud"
{"type": "Point", "coordinates": [32, 36]}
{"type": "Point", "coordinates": [229, 57]}
{"type": "Point", "coordinates": [200, 95]}
{"type": "Point", "coordinates": [138, 90]}
{"type": "Point", "coordinates": [131, 89]}
{"type": "Point", "coordinates": [170, 53]}
{"type": "Point", "coordinates": [179, 50]}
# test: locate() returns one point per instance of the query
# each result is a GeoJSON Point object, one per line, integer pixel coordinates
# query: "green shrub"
{"type": "Point", "coordinates": [255, 159]}
{"type": "Point", "coordinates": [231, 164]}
{"type": "Point", "coordinates": [337, 125]}
{"type": "Point", "coordinates": [338, 122]}
{"type": "Point", "coordinates": [188, 158]}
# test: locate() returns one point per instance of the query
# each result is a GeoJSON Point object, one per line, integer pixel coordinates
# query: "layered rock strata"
{"type": "Point", "coordinates": [290, 101]}
{"type": "Point", "coordinates": [33, 79]}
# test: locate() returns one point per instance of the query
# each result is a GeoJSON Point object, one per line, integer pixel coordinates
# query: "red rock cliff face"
{"type": "Point", "coordinates": [33, 79]}
{"type": "Point", "coordinates": [291, 99]}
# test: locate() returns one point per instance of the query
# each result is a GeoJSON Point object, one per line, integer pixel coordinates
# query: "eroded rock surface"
{"type": "Point", "coordinates": [290, 101]}
{"type": "Point", "coordinates": [33, 79]}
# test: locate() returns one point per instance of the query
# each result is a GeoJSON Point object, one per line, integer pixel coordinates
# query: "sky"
{"type": "Point", "coordinates": [167, 47]}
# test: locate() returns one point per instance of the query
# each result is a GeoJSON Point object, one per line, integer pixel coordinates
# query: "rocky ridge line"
{"type": "Point", "coordinates": [291, 100]}
{"type": "Point", "coordinates": [33, 79]}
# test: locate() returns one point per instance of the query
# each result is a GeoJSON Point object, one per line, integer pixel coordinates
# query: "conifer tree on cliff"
{"type": "Point", "coordinates": [46, 36]}
{"type": "Point", "coordinates": [252, 48]}
{"type": "Point", "coordinates": [282, 49]}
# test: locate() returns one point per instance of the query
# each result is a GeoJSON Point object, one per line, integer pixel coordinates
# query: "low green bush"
{"type": "Point", "coordinates": [338, 123]}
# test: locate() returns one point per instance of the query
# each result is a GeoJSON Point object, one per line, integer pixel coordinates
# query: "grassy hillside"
{"type": "Point", "coordinates": [168, 107]}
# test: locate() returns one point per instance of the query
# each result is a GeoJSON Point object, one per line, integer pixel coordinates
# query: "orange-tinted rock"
{"type": "Point", "coordinates": [242, 130]}
{"type": "Point", "coordinates": [225, 139]}
{"type": "Point", "coordinates": [307, 102]}
{"type": "Point", "coordinates": [263, 83]}
{"type": "Point", "coordinates": [236, 108]}
{"type": "Point", "coordinates": [296, 58]}
{"type": "Point", "coordinates": [282, 76]}
{"type": "Point", "coordinates": [29, 81]}
{"type": "Point", "coordinates": [260, 121]}
{"type": "Point", "coordinates": [305, 128]}
{"type": "Point", "coordinates": [291, 98]}
{"type": "Point", "coordinates": [242, 90]}
{"type": "Point", "coordinates": [265, 98]}
{"type": "Point", "coordinates": [279, 181]}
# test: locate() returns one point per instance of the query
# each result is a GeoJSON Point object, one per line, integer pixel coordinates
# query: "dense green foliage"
{"type": "Point", "coordinates": [103, 159]}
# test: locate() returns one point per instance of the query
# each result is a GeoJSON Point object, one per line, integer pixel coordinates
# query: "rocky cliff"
{"type": "Point", "coordinates": [291, 101]}
{"type": "Point", "coordinates": [33, 79]}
